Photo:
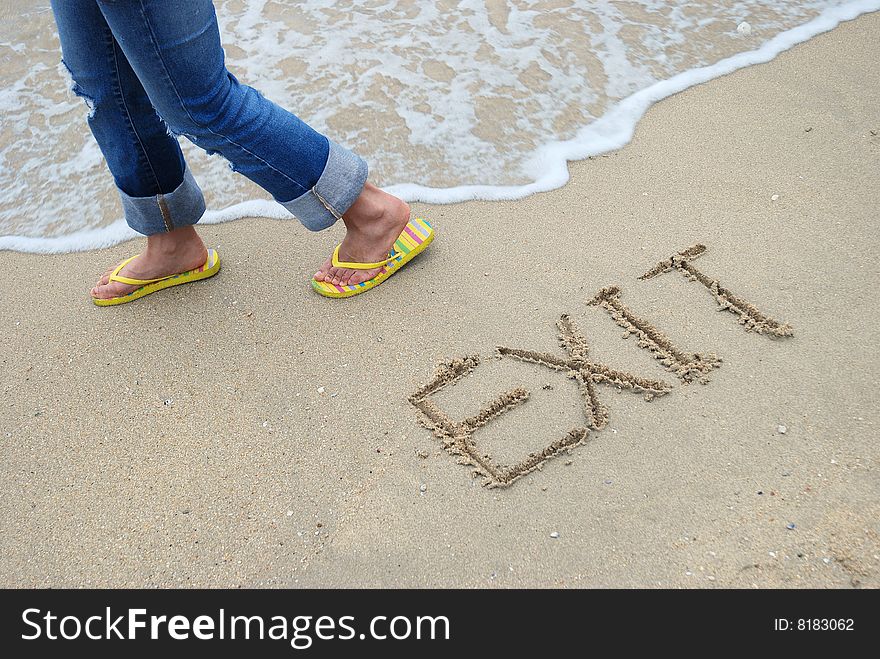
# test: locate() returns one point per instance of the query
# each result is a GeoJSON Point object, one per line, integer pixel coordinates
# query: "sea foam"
{"type": "Point", "coordinates": [448, 101]}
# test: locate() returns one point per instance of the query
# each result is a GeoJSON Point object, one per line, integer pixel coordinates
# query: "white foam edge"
{"type": "Point", "coordinates": [119, 232]}
{"type": "Point", "coordinates": [549, 163]}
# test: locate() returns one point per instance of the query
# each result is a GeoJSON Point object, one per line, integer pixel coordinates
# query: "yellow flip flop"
{"type": "Point", "coordinates": [210, 268]}
{"type": "Point", "coordinates": [413, 240]}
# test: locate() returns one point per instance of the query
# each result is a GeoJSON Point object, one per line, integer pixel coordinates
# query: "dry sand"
{"type": "Point", "coordinates": [249, 476]}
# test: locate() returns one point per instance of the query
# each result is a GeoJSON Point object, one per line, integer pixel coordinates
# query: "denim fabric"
{"type": "Point", "coordinates": [151, 70]}
{"type": "Point", "coordinates": [162, 211]}
{"type": "Point", "coordinates": [333, 193]}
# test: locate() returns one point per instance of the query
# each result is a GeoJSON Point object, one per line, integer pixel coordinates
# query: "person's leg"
{"type": "Point", "coordinates": [159, 196]}
{"type": "Point", "coordinates": [174, 48]}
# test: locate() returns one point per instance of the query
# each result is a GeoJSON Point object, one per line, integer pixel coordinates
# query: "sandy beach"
{"type": "Point", "coordinates": [243, 431]}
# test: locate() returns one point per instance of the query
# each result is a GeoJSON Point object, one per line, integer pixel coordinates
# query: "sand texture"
{"type": "Point", "coordinates": [243, 431]}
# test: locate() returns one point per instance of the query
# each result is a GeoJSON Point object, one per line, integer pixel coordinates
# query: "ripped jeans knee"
{"type": "Point", "coordinates": [77, 89]}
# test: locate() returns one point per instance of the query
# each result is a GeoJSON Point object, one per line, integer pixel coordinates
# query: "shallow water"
{"type": "Point", "coordinates": [447, 100]}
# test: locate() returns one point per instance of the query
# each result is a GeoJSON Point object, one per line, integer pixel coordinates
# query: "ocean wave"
{"type": "Point", "coordinates": [448, 101]}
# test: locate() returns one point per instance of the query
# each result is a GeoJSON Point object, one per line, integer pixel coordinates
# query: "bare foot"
{"type": "Point", "coordinates": [373, 223]}
{"type": "Point", "coordinates": [166, 254]}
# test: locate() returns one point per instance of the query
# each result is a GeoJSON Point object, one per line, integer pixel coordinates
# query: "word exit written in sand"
{"type": "Point", "coordinates": [457, 437]}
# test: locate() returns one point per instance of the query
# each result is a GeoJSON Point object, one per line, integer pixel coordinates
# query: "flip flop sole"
{"type": "Point", "coordinates": [416, 236]}
{"type": "Point", "coordinates": [210, 268]}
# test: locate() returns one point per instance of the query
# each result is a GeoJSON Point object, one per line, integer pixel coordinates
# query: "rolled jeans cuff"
{"type": "Point", "coordinates": [165, 212]}
{"type": "Point", "coordinates": [340, 184]}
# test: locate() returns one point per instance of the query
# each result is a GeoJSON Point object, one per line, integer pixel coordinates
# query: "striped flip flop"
{"type": "Point", "coordinates": [210, 268]}
{"type": "Point", "coordinates": [416, 236]}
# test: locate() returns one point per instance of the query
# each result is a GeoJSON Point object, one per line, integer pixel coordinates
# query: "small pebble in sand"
{"type": "Point", "coordinates": [423, 488]}
{"type": "Point", "coordinates": [744, 28]}
{"type": "Point", "coordinates": [781, 429]}
{"type": "Point", "coordinates": [320, 390]}
{"type": "Point", "coordinates": [774, 197]}
{"type": "Point", "coordinates": [554, 535]}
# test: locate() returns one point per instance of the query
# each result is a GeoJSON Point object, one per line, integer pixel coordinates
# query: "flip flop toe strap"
{"type": "Point", "coordinates": [115, 276]}
{"type": "Point", "coordinates": [360, 266]}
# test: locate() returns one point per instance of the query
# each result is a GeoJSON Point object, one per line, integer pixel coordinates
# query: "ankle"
{"type": "Point", "coordinates": [177, 241]}
{"type": "Point", "coordinates": [373, 206]}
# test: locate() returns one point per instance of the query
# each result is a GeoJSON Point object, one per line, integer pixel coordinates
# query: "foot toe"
{"type": "Point", "coordinates": [98, 292]}
{"type": "Point", "coordinates": [335, 276]}
{"type": "Point", "coordinates": [324, 272]}
{"type": "Point", "coordinates": [101, 292]}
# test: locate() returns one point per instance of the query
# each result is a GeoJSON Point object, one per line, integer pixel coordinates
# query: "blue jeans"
{"type": "Point", "coordinates": [150, 70]}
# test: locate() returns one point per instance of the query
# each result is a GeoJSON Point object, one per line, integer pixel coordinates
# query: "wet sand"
{"type": "Point", "coordinates": [182, 440]}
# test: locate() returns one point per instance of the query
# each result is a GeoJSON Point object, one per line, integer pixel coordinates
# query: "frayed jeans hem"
{"type": "Point", "coordinates": [165, 212]}
{"type": "Point", "coordinates": [337, 189]}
